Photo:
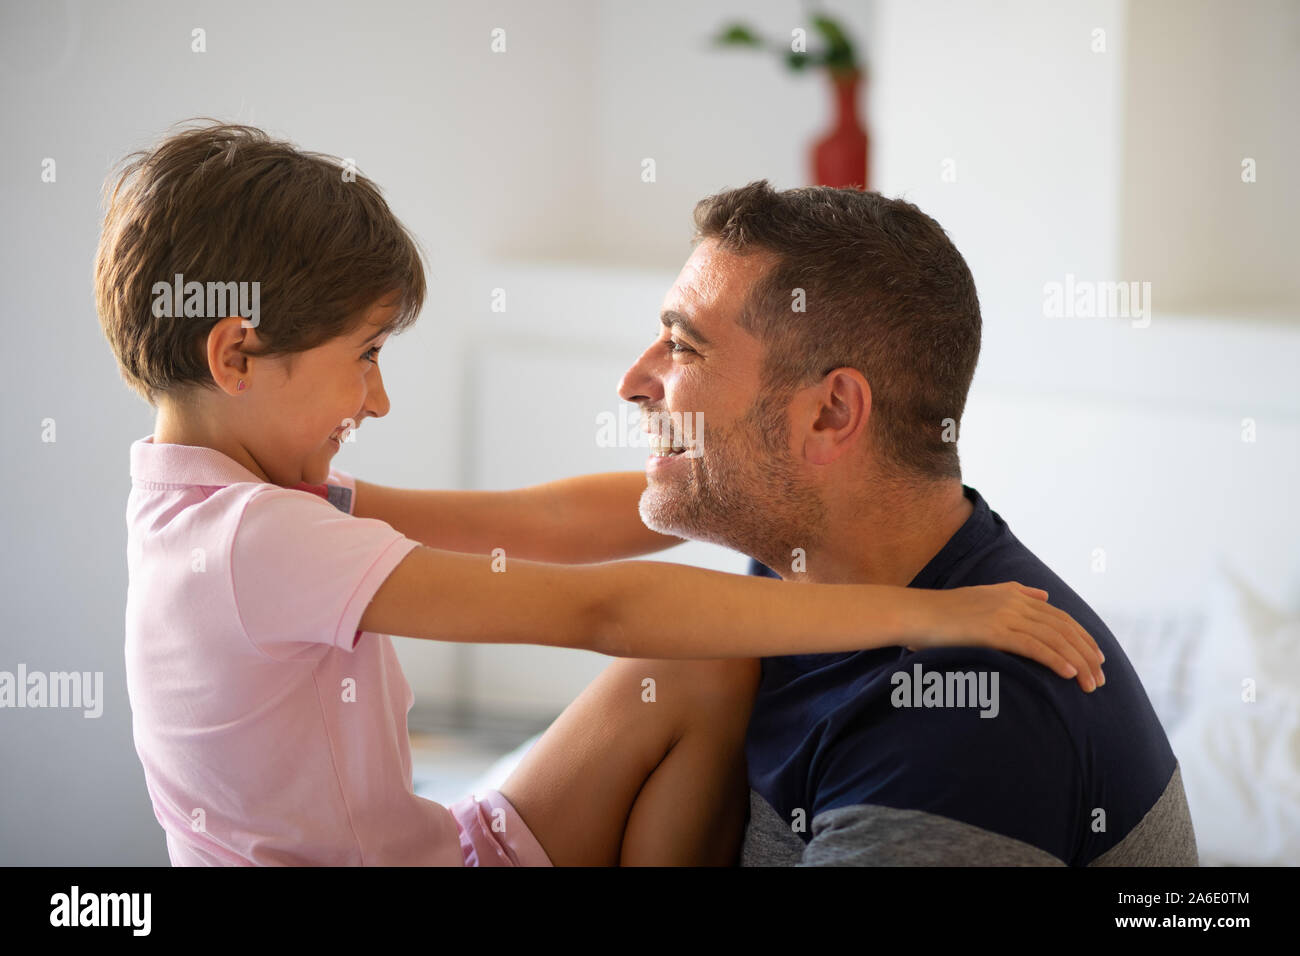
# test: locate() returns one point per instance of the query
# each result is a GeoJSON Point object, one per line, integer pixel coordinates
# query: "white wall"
{"type": "Point", "coordinates": [1014, 95]}
{"type": "Point", "coordinates": [1209, 85]}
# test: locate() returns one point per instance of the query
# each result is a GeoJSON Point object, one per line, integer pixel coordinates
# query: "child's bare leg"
{"type": "Point", "coordinates": [618, 778]}
{"type": "Point", "coordinates": [691, 811]}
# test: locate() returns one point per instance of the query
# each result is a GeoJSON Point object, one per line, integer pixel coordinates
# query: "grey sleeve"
{"type": "Point", "coordinates": [867, 835]}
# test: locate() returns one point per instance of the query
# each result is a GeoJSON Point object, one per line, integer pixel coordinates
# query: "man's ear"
{"type": "Point", "coordinates": [840, 406]}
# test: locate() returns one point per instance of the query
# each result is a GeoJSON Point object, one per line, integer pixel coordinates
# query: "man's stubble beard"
{"type": "Point", "coordinates": [744, 492]}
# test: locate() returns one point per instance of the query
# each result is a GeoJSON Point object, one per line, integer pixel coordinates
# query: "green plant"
{"type": "Point", "coordinates": [837, 54]}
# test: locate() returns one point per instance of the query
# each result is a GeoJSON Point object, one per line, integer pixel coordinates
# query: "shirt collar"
{"type": "Point", "coordinates": [981, 524]}
{"type": "Point", "coordinates": [168, 464]}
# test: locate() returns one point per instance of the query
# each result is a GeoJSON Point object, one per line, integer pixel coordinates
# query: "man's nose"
{"type": "Point", "coordinates": [642, 381]}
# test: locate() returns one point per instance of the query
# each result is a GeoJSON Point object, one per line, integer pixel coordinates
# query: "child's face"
{"type": "Point", "coordinates": [300, 408]}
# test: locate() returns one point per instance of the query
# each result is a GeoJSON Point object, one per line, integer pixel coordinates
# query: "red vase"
{"type": "Point", "coordinates": [839, 158]}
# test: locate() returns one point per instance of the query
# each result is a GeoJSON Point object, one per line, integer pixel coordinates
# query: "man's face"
{"type": "Point", "coordinates": [744, 486]}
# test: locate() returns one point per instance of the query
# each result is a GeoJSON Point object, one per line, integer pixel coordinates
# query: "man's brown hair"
{"type": "Point", "coordinates": [225, 203]}
{"type": "Point", "coordinates": [885, 292]}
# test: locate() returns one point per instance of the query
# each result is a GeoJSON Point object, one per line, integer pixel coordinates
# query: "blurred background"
{"type": "Point", "coordinates": [548, 157]}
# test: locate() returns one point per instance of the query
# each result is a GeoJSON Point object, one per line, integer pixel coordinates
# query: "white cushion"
{"type": "Point", "coordinates": [1240, 758]}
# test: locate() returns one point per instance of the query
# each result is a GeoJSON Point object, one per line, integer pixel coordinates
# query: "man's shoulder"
{"type": "Point", "coordinates": [968, 742]}
{"type": "Point", "coordinates": [971, 743]}
{"type": "Point", "coordinates": [998, 743]}
{"type": "Point", "coordinates": [1003, 557]}
{"type": "Point", "coordinates": [967, 735]}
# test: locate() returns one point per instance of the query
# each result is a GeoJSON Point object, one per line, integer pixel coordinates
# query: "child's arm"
{"type": "Point", "coordinates": [579, 520]}
{"type": "Point", "coordinates": [657, 610]}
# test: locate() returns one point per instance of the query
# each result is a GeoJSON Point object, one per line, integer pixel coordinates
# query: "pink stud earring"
{"type": "Point", "coordinates": [240, 386]}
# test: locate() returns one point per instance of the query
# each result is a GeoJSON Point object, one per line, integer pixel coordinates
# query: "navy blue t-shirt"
{"type": "Point", "coordinates": [830, 730]}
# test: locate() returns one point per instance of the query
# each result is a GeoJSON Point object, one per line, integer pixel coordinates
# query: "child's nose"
{"type": "Point", "coordinates": [376, 398]}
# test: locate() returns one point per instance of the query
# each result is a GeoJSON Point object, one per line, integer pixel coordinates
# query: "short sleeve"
{"type": "Point", "coordinates": [1009, 768]}
{"type": "Point", "coordinates": [303, 571]}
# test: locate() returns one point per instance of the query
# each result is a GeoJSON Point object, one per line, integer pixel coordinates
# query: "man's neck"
{"type": "Point", "coordinates": [889, 539]}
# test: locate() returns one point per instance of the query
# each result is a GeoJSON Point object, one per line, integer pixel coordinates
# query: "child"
{"type": "Point", "coordinates": [269, 708]}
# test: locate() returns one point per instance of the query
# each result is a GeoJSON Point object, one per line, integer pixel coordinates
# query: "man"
{"type": "Point", "coordinates": [828, 339]}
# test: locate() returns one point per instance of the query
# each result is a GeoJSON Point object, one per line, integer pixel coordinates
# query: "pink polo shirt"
{"type": "Point", "coordinates": [270, 728]}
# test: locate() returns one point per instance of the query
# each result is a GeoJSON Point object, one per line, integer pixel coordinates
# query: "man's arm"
{"type": "Point", "coordinates": [581, 520]}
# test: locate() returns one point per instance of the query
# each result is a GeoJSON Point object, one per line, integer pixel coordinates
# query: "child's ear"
{"type": "Point", "coordinates": [227, 361]}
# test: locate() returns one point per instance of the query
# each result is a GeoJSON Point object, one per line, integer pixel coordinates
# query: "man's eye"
{"type": "Point", "coordinates": [676, 347]}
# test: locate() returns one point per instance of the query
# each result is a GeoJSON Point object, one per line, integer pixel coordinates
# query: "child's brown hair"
{"type": "Point", "coordinates": [224, 203]}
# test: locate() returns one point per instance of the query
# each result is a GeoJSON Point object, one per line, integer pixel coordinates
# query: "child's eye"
{"type": "Point", "coordinates": [374, 351]}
